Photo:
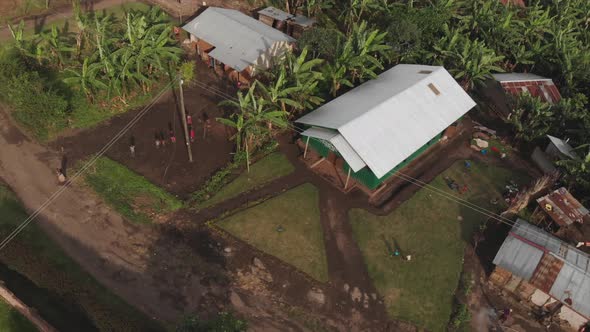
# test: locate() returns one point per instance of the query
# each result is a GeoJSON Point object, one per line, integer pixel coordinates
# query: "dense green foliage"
{"type": "Point", "coordinates": [12, 321]}
{"type": "Point", "coordinates": [83, 74]}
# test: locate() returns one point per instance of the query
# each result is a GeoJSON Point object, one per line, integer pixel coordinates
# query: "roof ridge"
{"type": "Point", "coordinates": [263, 33]}
{"type": "Point", "coordinates": [436, 70]}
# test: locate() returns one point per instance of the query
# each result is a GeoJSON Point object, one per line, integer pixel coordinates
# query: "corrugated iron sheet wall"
{"type": "Point", "coordinates": [546, 272]}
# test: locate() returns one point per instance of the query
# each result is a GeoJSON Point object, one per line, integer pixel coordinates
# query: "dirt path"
{"type": "Point", "coordinates": [148, 269]}
{"type": "Point", "coordinates": [30, 314]}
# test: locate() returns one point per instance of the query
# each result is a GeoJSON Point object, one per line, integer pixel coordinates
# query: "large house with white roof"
{"type": "Point", "coordinates": [236, 41]}
{"type": "Point", "coordinates": [380, 126]}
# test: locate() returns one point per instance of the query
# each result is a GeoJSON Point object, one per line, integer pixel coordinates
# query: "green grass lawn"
{"type": "Point", "coordinates": [301, 242]}
{"type": "Point", "coordinates": [271, 167]}
{"type": "Point", "coordinates": [428, 228]}
{"type": "Point", "coordinates": [130, 194]}
{"type": "Point", "coordinates": [62, 292]}
{"type": "Point", "coordinates": [12, 321]}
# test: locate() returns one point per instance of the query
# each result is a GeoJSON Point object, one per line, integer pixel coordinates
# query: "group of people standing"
{"type": "Point", "coordinates": [160, 139]}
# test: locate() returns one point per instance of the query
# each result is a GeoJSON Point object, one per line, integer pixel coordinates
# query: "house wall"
{"type": "Point", "coordinates": [365, 175]}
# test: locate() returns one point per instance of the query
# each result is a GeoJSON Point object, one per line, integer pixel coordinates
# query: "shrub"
{"type": "Point", "coordinates": [223, 322]}
{"type": "Point", "coordinates": [34, 103]}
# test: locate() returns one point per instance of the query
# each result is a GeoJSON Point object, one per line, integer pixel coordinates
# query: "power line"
{"type": "Point", "coordinates": [84, 168]}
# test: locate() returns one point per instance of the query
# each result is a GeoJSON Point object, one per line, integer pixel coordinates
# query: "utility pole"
{"type": "Point", "coordinates": [183, 115]}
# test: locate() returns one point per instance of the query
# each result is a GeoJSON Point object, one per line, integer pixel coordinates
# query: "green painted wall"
{"type": "Point", "coordinates": [365, 175]}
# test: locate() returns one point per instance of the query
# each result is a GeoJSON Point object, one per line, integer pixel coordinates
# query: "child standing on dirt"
{"type": "Point", "coordinates": [132, 146]}
{"type": "Point", "coordinates": [157, 140]}
{"type": "Point", "coordinates": [171, 133]}
{"type": "Point", "coordinates": [162, 138]}
{"type": "Point", "coordinates": [191, 131]}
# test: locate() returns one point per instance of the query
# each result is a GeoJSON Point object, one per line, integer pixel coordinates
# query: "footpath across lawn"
{"type": "Point", "coordinates": [287, 227]}
{"type": "Point", "coordinates": [44, 277]}
{"type": "Point", "coordinates": [130, 194]}
{"type": "Point", "coordinates": [269, 168]}
{"type": "Point", "coordinates": [12, 321]}
{"type": "Point", "coordinates": [433, 230]}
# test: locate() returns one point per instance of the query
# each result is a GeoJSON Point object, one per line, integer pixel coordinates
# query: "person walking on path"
{"type": "Point", "coordinates": [191, 131]}
{"type": "Point", "coordinates": [206, 124]}
{"type": "Point", "coordinates": [505, 315]}
{"type": "Point", "coordinates": [157, 140]}
{"type": "Point", "coordinates": [132, 146]}
{"type": "Point", "coordinates": [171, 133]}
{"type": "Point", "coordinates": [61, 178]}
{"type": "Point", "coordinates": [64, 165]}
{"type": "Point", "coordinates": [189, 120]}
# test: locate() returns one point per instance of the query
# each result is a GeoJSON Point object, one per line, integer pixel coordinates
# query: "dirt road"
{"type": "Point", "coordinates": [131, 260]}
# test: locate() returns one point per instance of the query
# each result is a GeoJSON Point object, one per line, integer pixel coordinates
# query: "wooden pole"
{"type": "Point", "coordinates": [347, 178]}
{"type": "Point", "coordinates": [306, 144]}
{"type": "Point", "coordinates": [184, 125]}
{"type": "Point", "coordinates": [247, 157]}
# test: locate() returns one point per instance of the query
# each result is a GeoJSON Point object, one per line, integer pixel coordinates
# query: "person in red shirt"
{"type": "Point", "coordinates": [191, 133]}
{"type": "Point", "coordinates": [171, 133]}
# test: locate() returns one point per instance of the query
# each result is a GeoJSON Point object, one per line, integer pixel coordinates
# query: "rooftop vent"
{"type": "Point", "coordinates": [434, 89]}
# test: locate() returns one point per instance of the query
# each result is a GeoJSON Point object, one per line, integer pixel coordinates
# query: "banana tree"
{"type": "Point", "coordinates": [86, 79]}
{"type": "Point", "coordinates": [57, 44]}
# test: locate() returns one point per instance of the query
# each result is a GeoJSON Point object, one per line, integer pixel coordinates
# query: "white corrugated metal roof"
{"type": "Point", "coordinates": [352, 158]}
{"type": "Point", "coordinates": [387, 119]}
{"type": "Point", "coordinates": [333, 137]}
{"type": "Point", "coordinates": [239, 39]}
{"type": "Point", "coordinates": [518, 77]}
{"type": "Point", "coordinates": [573, 280]}
{"type": "Point", "coordinates": [563, 146]}
{"type": "Point", "coordinates": [275, 13]}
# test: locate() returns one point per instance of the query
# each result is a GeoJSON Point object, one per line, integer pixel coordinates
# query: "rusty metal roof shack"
{"type": "Point", "coordinates": [563, 208]}
{"type": "Point", "coordinates": [549, 264]}
{"type": "Point", "coordinates": [537, 86]}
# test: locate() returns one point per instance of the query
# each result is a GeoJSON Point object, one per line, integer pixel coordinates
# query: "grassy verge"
{"type": "Point", "coordinates": [287, 227]}
{"type": "Point", "coordinates": [271, 167]}
{"type": "Point", "coordinates": [433, 230]}
{"type": "Point", "coordinates": [117, 11]}
{"type": "Point", "coordinates": [65, 294]}
{"type": "Point", "coordinates": [27, 8]}
{"type": "Point", "coordinates": [12, 321]}
{"type": "Point", "coordinates": [130, 194]}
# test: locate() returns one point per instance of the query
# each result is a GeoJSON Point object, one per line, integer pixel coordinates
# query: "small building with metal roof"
{"type": "Point", "coordinates": [563, 208]}
{"type": "Point", "coordinates": [500, 87]}
{"type": "Point", "coordinates": [291, 24]}
{"type": "Point", "coordinates": [535, 85]}
{"type": "Point", "coordinates": [230, 38]}
{"type": "Point", "coordinates": [380, 126]}
{"type": "Point", "coordinates": [550, 269]}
